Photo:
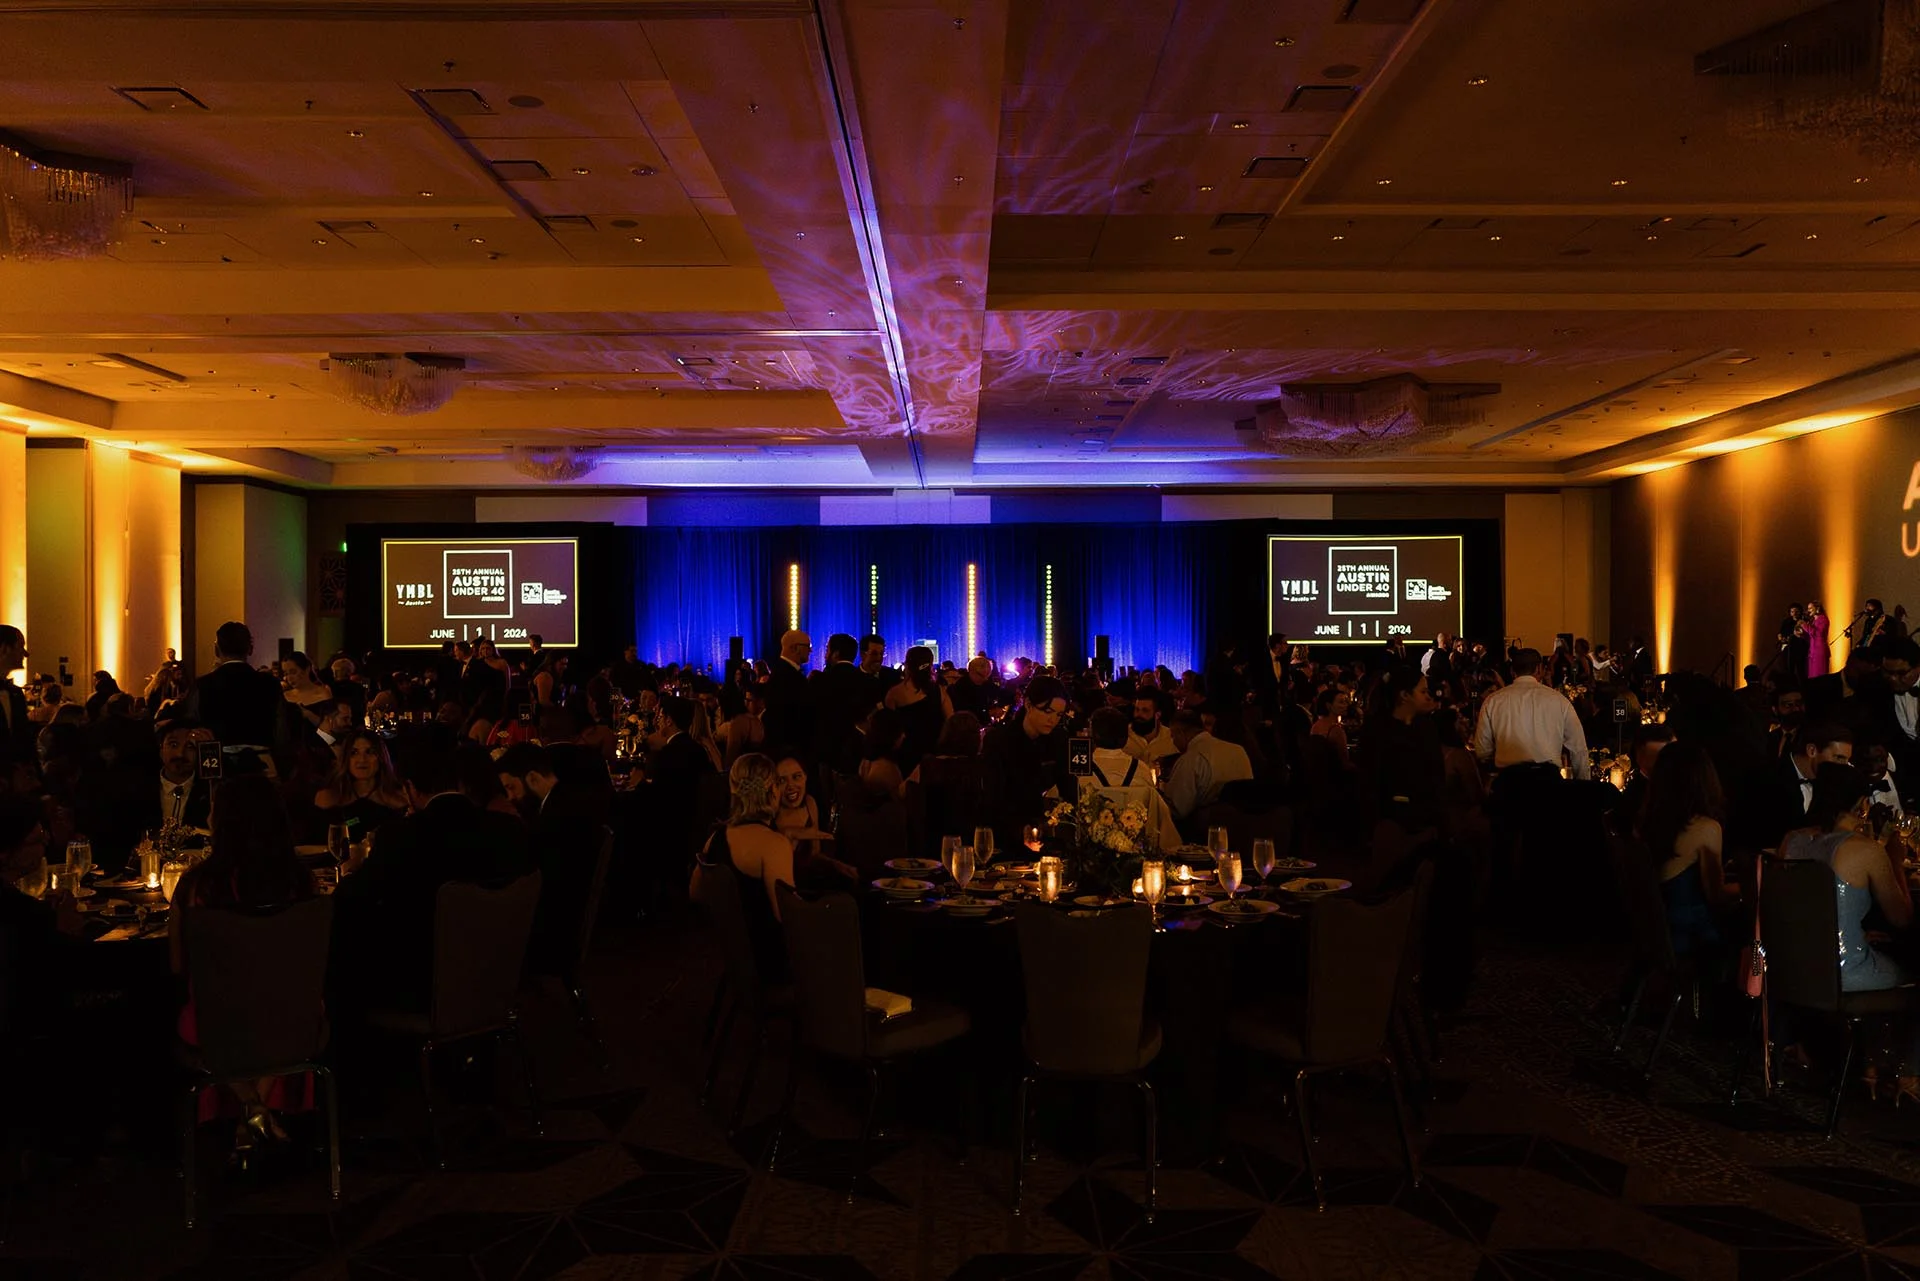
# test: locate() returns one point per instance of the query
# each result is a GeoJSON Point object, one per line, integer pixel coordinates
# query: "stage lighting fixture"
{"type": "Point", "coordinates": [973, 610]}
{"type": "Point", "coordinates": [793, 597]}
{"type": "Point", "coordinates": [1046, 622]}
{"type": "Point", "coordinates": [873, 599]}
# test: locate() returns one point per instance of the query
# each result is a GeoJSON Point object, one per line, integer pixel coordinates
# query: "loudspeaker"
{"type": "Point", "coordinates": [1100, 647]}
{"type": "Point", "coordinates": [736, 649]}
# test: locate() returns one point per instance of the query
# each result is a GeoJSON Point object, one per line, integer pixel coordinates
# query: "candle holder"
{"type": "Point", "coordinates": [1051, 869]}
{"type": "Point", "coordinates": [150, 863]}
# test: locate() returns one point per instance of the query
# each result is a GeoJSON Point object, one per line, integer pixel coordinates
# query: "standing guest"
{"type": "Point", "coordinates": [105, 689]}
{"type": "Point", "coordinates": [1637, 663]}
{"type": "Point", "coordinates": [923, 707]}
{"type": "Point", "coordinates": [1023, 758]}
{"type": "Point", "coordinates": [250, 866]}
{"type": "Point", "coordinates": [1400, 757]}
{"type": "Point", "coordinates": [1682, 830]}
{"type": "Point", "coordinates": [629, 675]}
{"type": "Point", "coordinates": [384, 912]}
{"type": "Point", "coordinates": [675, 768]}
{"type": "Point", "coordinates": [873, 661]}
{"type": "Point", "coordinates": [1205, 765]}
{"type": "Point", "coordinates": [564, 826]}
{"type": "Point", "coordinates": [305, 690]}
{"type": "Point", "coordinates": [16, 731]}
{"type": "Point", "coordinates": [1329, 720]}
{"type": "Point", "coordinates": [363, 790]}
{"type": "Point", "coordinates": [1814, 624]}
{"type": "Point", "coordinates": [1527, 723]}
{"type": "Point", "coordinates": [239, 705]}
{"type": "Point", "coordinates": [842, 695]}
{"type": "Point", "coordinates": [701, 730]}
{"type": "Point", "coordinates": [789, 718]}
{"type": "Point", "coordinates": [549, 681]}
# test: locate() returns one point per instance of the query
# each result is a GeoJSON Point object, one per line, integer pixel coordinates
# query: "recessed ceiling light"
{"type": "Point", "coordinates": [1653, 237]}
{"type": "Point", "coordinates": [770, 362]}
{"type": "Point", "coordinates": [1339, 237]}
{"type": "Point", "coordinates": [1383, 182]}
{"type": "Point", "coordinates": [1813, 235]}
{"type": "Point", "coordinates": [356, 133]}
{"type": "Point", "coordinates": [479, 240]}
{"type": "Point", "coordinates": [1619, 182]}
{"type": "Point", "coordinates": [1477, 81]}
{"type": "Point", "coordinates": [639, 240]}
{"type": "Point", "coordinates": [799, 235]}
{"type": "Point", "coordinates": [1493, 237]}
{"type": "Point", "coordinates": [643, 171]}
{"type": "Point", "coordinates": [1206, 186]}
{"type": "Point", "coordinates": [1242, 124]}
{"type": "Point", "coordinates": [581, 170]}
{"type": "Point", "coordinates": [1284, 42]}
{"type": "Point", "coordinates": [1177, 236]}
{"type": "Point", "coordinates": [427, 194]}
{"type": "Point", "coordinates": [1861, 180]}
{"type": "Point", "coordinates": [319, 240]}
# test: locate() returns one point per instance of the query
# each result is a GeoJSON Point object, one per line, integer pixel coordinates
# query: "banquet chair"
{"type": "Point", "coordinates": [258, 981]}
{"type": "Point", "coordinates": [1653, 955]}
{"type": "Point", "coordinates": [1413, 1035]}
{"type": "Point", "coordinates": [1086, 986]}
{"type": "Point", "coordinates": [1799, 920]}
{"type": "Point", "coordinates": [574, 962]}
{"type": "Point", "coordinates": [830, 1007]}
{"type": "Point", "coordinates": [741, 988]}
{"type": "Point", "coordinates": [1354, 955]}
{"type": "Point", "coordinates": [872, 829]}
{"type": "Point", "coordinates": [480, 937]}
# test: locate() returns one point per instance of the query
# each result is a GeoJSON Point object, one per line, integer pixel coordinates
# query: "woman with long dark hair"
{"type": "Point", "coordinates": [363, 788]}
{"type": "Point", "coordinates": [923, 707]}
{"type": "Point", "coordinates": [1681, 826]}
{"type": "Point", "coordinates": [1400, 757]}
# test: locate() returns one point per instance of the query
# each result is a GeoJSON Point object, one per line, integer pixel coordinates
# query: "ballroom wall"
{"type": "Point", "coordinates": [1706, 555]}
{"type": "Point", "coordinates": [250, 564]}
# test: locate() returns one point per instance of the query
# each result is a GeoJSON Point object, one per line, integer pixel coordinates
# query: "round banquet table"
{"type": "Point", "coordinates": [1197, 969]}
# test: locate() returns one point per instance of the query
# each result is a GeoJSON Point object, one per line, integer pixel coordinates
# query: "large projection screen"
{"type": "Point", "coordinates": [1360, 589]}
{"type": "Point", "coordinates": [436, 590]}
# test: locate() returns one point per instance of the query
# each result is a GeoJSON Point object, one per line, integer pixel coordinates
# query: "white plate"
{"type": "Point", "coordinates": [1294, 865]}
{"type": "Point", "coordinates": [975, 907]}
{"type": "Point", "coordinates": [1314, 886]}
{"type": "Point", "coordinates": [912, 866]}
{"type": "Point", "coordinates": [902, 886]}
{"type": "Point", "coordinates": [1242, 909]}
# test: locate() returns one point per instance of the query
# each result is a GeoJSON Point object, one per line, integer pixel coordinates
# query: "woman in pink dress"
{"type": "Point", "coordinates": [1815, 627]}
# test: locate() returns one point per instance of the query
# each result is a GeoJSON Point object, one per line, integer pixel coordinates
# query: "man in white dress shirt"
{"type": "Point", "coordinates": [1527, 723]}
{"type": "Point", "coordinates": [1205, 765]}
{"type": "Point", "coordinates": [1147, 739]}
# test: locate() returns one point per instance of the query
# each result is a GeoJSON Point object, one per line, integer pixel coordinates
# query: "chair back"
{"type": "Point", "coordinates": [1086, 984]}
{"type": "Point", "coordinates": [1353, 973]}
{"type": "Point", "coordinates": [1638, 882]}
{"type": "Point", "coordinates": [1390, 850]}
{"type": "Point", "coordinates": [1799, 924]}
{"type": "Point", "coordinates": [953, 798]}
{"type": "Point", "coordinates": [872, 830]}
{"type": "Point", "coordinates": [718, 891]}
{"type": "Point", "coordinates": [1413, 955]}
{"type": "Point", "coordinates": [829, 976]}
{"type": "Point", "coordinates": [590, 910]}
{"type": "Point", "coordinates": [479, 950]}
{"type": "Point", "coordinates": [259, 982]}
{"type": "Point", "coordinates": [1245, 826]}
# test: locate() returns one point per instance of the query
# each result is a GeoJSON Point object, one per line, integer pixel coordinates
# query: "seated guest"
{"type": "Point", "coordinates": [746, 731]}
{"type": "Point", "coordinates": [700, 729]}
{"type": "Point", "coordinates": [1124, 778]}
{"type": "Point", "coordinates": [1877, 763]}
{"type": "Point", "coordinates": [1205, 765]}
{"type": "Point", "coordinates": [38, 937]}
{"type": "Point", "coordinates": [1147, 738]}
{"type": "Point", "coordinates": [250, 865]}
{"type": "Point", "coordinates": [748, 848]}
{"type": "Point", "coordinates": [923, 706]}
{"type": "Point", "coordinates": [336, 719]}
{"type": "Point", "coordinates": [1649, 741]}
{"type": "Point", "coordinates": [1784, 799]}
{"type": "Point", "coordinates": [1865, 876]}
{"type": "Point", "coordinates": [1329, 720]}
{"type": "Point", "coordinates": [564, 828]}
{"type": "Point", "coordinates": [52, 699]}
{"type": "Point", "coordinates": [1024, 759]}
{"type": "Point", "coordinates": [363, 790]}
{"type": "Point", "coordinates": [1402, 763]}
{"type": "Point", "coordinates": [798, 820]}
{"type": "Point", "coordinates": [1682, 829]}
{"type": "Point", "coordinates": [384, 911]}
{"type": "Point", "coordinates": [977, 692]}
{"type": "Point", "coordinates": [671, 782]}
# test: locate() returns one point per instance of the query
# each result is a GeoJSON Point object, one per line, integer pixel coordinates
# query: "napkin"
{"type": "Point", "coordinates": [118, 933]}
{"type": "Point", "coordinates": [888, 1005]}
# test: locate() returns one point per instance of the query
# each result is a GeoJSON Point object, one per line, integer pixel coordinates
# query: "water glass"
{"type": "Point", "coordinates": [1217, 840]}
{"type": "Point", "coordinates": [983, 846]}
{"type": "Point", "coordinates": [949, 852]}
{"type": "Point", "coordinates": [79, 858]}
{"type": "Point", "coordinates": [1263, 857]}
{"type": "Point", "coordinates": [963, 868]}
{"type": "Point", "coordinates": [1227, 867]}
{"type": "Point", "coordinates": [1052, 876]}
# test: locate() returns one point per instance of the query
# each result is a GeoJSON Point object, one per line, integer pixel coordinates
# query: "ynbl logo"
{"type": "Point", "coordinates": [413, 593]}
{"type": "Point", "coordinates": [1297, 589]}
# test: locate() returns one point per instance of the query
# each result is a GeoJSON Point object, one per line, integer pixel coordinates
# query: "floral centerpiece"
{"type": "Point", "coordinates": [1102, 842]}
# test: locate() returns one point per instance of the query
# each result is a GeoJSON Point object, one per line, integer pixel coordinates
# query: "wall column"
{"type": "Point", "coordinates": [13, 526]}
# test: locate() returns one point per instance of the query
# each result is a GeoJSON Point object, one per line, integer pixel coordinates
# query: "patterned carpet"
{"type": "Point", "coordinates": [1546, 1158]}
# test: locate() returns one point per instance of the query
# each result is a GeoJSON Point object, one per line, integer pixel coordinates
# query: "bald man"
{"type": "Point", "coordinates": [789, 717]}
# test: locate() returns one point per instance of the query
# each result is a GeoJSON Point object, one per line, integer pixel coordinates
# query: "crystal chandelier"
{"type": "Point", "coordinates": [394, 382]}
{"type": "Point", "coordinates": [1354, 420]}
{"type": "Point", "coordinates": [554, 462]}
{"type": "Point", "coordinates": [59, 206]}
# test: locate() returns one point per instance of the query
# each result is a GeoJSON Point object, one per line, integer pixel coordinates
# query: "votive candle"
{"type": "Point", "coordinates": [1051, 870]}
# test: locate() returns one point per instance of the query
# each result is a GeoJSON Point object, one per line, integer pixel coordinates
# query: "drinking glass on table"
{"type": "Point", "coordinates": [1227, 868]}
{"type": "Point", "coordinates": [1217, 840]}
{"type": "Point", "coordinates": [963, 867]}
{"type": "Point", "coordinates": [1263, 857]}
{"type": "Point", "coordinates": [339, 842]}
{"type": "Point", "coordinates": [983, 846]}
{"type": "Point", "coordinates": [1029, 837]}
{"type": "Point", "coordinates": [949, 852]}
{"type": "Point", "coordinates": [80, 857]}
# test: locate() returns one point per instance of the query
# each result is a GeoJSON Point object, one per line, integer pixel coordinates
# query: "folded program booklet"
{"type": "Point", "coordinates": [888, 1005]}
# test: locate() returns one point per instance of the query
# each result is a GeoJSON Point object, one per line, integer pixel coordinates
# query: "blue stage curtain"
{"type": "Point", "coordinates": [1146, 586]}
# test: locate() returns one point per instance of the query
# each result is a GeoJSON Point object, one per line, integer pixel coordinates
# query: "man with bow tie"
{"type": "Point", "coordinates": [1899, 713]}
{"type": "Point", "coordinates": [1877, 763]}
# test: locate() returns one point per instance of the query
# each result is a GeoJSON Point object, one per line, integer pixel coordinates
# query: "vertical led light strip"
{"type": "Point", "coordinates": [1046, 621]}
{"type": "Point", "coordinates": [973, 610]}
{"type": "Point", "coordinates": [793, 597]}
{"type": "Point", "coordinates": [873, 599]}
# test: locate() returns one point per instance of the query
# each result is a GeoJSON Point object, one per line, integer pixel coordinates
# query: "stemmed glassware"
{"type": "Point", "coordinates": [983, 846]}
{"type": "Point", "coordinates": [949, 852]}
{"type": "Point", "coordinates": [963, 869]}
{"type": "Point", "coordinates": [1153, 886]}
{"type": "Point", "coordinates": [1263, 857]}
{"type": "Point", "coordinates": [1227, 868]}
{"type": "Point", "coordinates": [1217, 840]}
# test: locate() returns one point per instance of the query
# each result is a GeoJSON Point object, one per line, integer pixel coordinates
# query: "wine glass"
{"type": "Point", "coordinates": [1153, 886]}
{"type": "Point", "coordinates": [34, 883]}
{"type": "Point", "coordinates": [949, 852]}
{"type": "Point", "coordinates": [963, 868]}
{"type": "Point", "coordinates": [339, 842]}
{"type": "Point", "coordinates": [80, 856]}
{"type": "Point", "coordinates": [1227, 867]}
{"type": "Point", "coordinates": [1217, 841]}
{"type": "Point", "coordinates": [1029, 837]}
{"type": "Point", "coordinates": [1263, 857]}
{"type": "Point", "coordinates": [983, 846]}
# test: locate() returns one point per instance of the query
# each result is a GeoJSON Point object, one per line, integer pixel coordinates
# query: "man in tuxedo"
{"type": "Point", "coordinates": [843, 695]}
{"type": "Point", "coordinates": [676, 766]}
{"type": "Point", "coordinates": [1782, 801]}
{"type": "Point", "coordinates": [239, 706]}
{"type": "Point", "coordinates": [564, 823]}
{"type": "Point", "coordinates": [384, 911]}
{"type": "Point", "coordinates": [16, 731]}
{"type": "Point", "coordinates": [873, 661]}
{"type": "Point", "coordinates": [789, 718]}
{"type": "Point", "coordinates": [1851, 696]}
{"type": "Point", "coordinates": [1898, 713]}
